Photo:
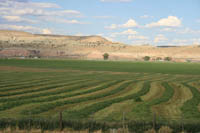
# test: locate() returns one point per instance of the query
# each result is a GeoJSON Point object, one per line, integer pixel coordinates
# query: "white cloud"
{"type": "Point", "coordinates": [160, 38]}
{"type": "Point", "coordinates": [169, 29]}
{"type": "Point", "coordinates": [26, 3]}
{"type": "Point", "coordinates": [126, 32]}
{"type": "Point", "coordinates": [60, 20]}
{"type": "Point", "coordinates": [171, 21]}
{"type": "Point", "coordinates": [21, 28]}
{"type": "Point", "coordinates": [188, 31]}
{"type": "Point", "coordinates": [140, 42]}
{"type": "Point", "coordinates": [181, 31]}
{"type": "Point", "coordinates": [195, 41]}
{"type": "Point", "coordinates": [19, 11]}
{"type": "Point", "coordinates": [18, 19]}
{"type": "Point", "coordinates": [129, 32]}
{"type": "Point", "coordinates": [112, 26]}
{"type": "Point", "coordinates": [130, 23]}
{"type": "Point", "coordinates": [26, 28]}
{"type": "Point", "coordinates": [180, 41]}
{"type": "Point", "coordinates": [137, 37]}
{"type": "Point", "coordinates": [46, 31]}
{"type": "Point", "coordinates": [146, 16]}
{"type": "Point", "coordinates": [115, 0]}
{"type": "Point", "coordinates": [110, 39]}
{"type": "Point", "coordinates": [79, 34]}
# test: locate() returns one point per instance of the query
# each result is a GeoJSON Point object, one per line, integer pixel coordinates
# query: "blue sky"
{"type": "Point", "coordinates": [135, 22]}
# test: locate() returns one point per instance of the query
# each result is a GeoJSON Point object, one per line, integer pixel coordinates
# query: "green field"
{"type": "Point", "coordinates": [99, 90]}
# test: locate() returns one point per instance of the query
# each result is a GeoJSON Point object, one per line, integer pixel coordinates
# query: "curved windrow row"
{"type": "Point", "coordinates": [190, 108]}
{"type": "Point", "coordinates": [44, 81]}
{"type": "Point", "coordinates": [85, 112]}
{"type": "Point", "coordinates": [49, 106]}
{"type": "Point", "coordinates": [52, 96]}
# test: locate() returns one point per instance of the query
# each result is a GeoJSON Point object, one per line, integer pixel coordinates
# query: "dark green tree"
{"type": "Point", "coordinates": [105, 56]}
{"type": "Point", "coordinates": [168, 59]}
{"type": "Point", "coordinates": [147, 58]}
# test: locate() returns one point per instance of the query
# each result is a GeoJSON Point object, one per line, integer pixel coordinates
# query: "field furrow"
{"type": "Point", "coordinates": [85, 112]}
{"type": "Point", "coordinates": [143, 110]}
{"type": "Point", "coordinates": [156, 91]}
{"type": "Point", "coordinates": [172, 109]}
{"type": "Point", "coordinates": [68, 87]}
{"type": "Point", "coordinates": [10, 105]}
{"type": "Point", "coordinates": [49, 106]}
{"type": "Point", "coordinates": [40, 89]}
{"type": "Point", "coordinates": [115, 111]}
{"type": "Point", "coordinates": [190, 107]}
{"type": "Point", "coordinates": [99, 90]}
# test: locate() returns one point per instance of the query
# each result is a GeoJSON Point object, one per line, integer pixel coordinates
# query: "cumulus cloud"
{"type": "Point", "coordinates": [171, 21]}
{"type": "Point", "coordinates": [181, 31]}
{"type": "Point", "coordinates": [137, 37]}
{"type": "Point", "coordinates": [115, 0]}
{"type": "Point", "coordinates": [129, 32]}
{"type": "Point", "coordinates": [126, 32]}
{"type": "Point", "coordinates": [180, 41]}
{"type": "Point", "coordinates": [112, 26]}
{"type": "Point", "coordinates": [195, 41]}
{"type": "Point", "coordinates": [160, 38]}
{"type": "Point", "coordinates": [18, 19]}
{"type": "Point", "coordinates": [188, 31]}
{"type": "Point", "coordinates": [21, 28]}
{"type": "Point", "coordinates": [21, 10]}
{"type": "Point", "coordinates": [61, 20]}
{"type": "Point", "coordinates": [46, 31]}
{"type": "Point", "coordinates": [129, 24]}
{"type": "Point", "coordinates": [26, 28]}
{"type": "Point", "coordinates": [26, 3]}
{"type": "Point", "coordinates": [169, 29]}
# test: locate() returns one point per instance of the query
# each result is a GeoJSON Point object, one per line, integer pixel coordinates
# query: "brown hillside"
{"type": "Point", "coordinates": [19, 43]}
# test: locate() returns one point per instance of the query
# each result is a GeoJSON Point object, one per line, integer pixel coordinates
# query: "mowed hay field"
{"type": "Point", "coordinates": [99, 90]}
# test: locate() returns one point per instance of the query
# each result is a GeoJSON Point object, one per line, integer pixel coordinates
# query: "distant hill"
{"type": "Point", "coordinates": [24, 44]}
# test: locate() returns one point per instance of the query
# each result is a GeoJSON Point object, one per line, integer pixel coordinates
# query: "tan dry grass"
{"type": "Point", "coordinates": [165, 129]}
{"type": "Point", "coordinates": [150, 131]}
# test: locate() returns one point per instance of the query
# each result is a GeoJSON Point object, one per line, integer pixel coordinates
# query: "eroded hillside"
{"type": "Point", "coordinates": [23, 44]}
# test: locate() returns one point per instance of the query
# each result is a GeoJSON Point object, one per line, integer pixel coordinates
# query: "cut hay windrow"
{"type": "Point", "coordinates": [49, 106]}
{"type": "Point", "coordinates": [33, 86]}
{"type": "Point", "coordinates": [104, 89]}
{"type": "Point", "coordinates": [29, 80]}
{"type": "Point", "coordinates": [10, 105]}
{"type": "Point", "coordinates": [14, 79]}
{"type": "Point", "coordinates": [45, 88]}
{"type": "Point", "coordinates": [144, 109]}
{"type": "Point", "coordinates": [190, 107]}
{"type": "Point", "coordinates": [57, 90]}
{"type": "Point", "coordinates": [40, 82]}
{"type": "Point", "coordinates": [85, 112]}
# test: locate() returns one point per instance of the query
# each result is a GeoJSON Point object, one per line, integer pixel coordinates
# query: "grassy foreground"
{"type": "Point", "coordinates": [102, 91]}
